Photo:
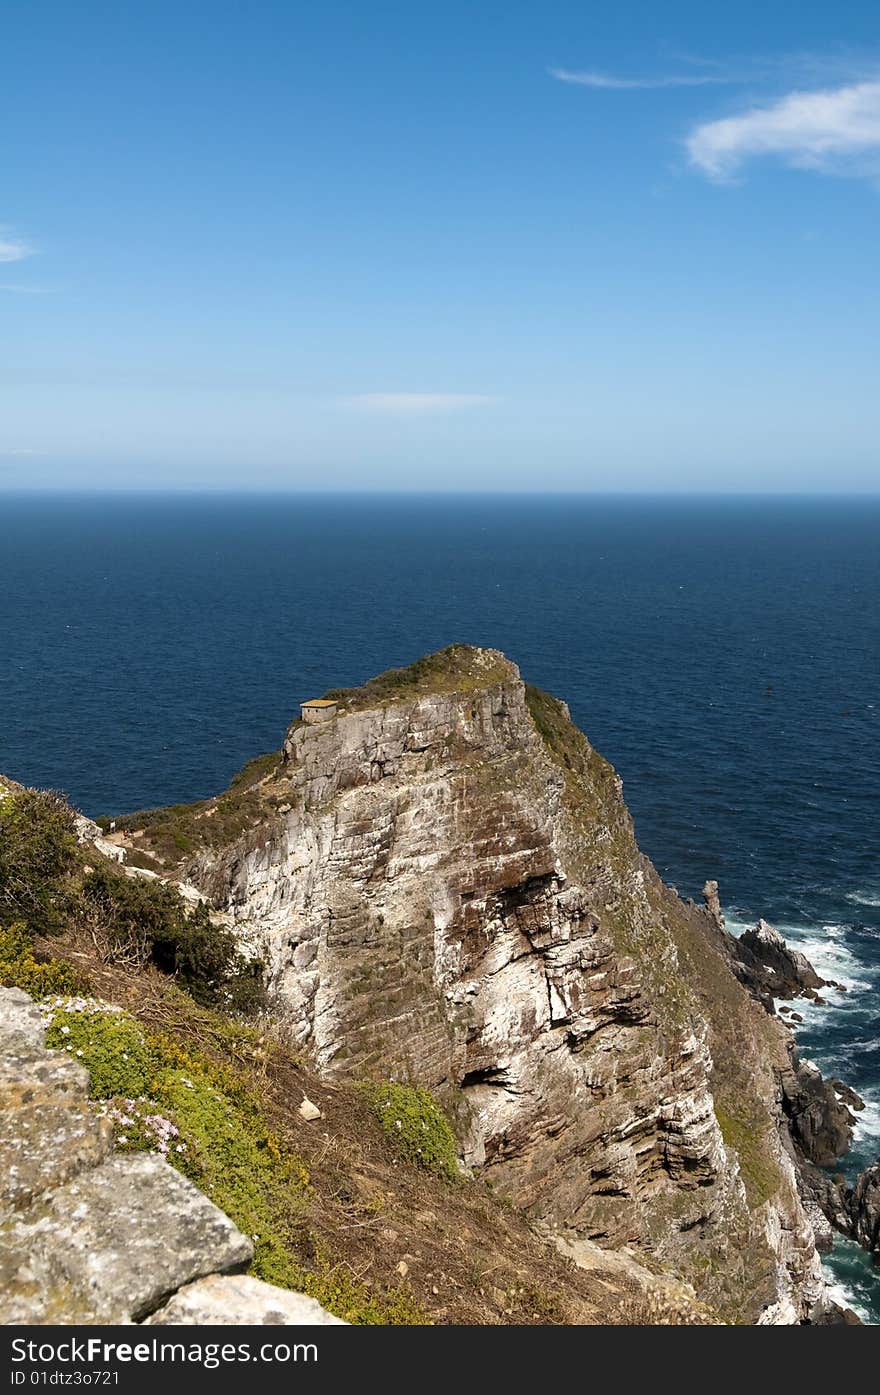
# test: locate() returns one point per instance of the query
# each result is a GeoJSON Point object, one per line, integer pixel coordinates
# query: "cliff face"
{"type": "Point", "coordinates": [444, 883]}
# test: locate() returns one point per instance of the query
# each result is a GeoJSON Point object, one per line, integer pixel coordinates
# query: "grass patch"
{"type": "Point", "coordinates": [416, 1125]}
{"type": "Point", "coordinates": [460, 668]}
{"type": "Point", "coordinates": [759, 1172]}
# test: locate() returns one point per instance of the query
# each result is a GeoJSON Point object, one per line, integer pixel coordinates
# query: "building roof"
{"type": "Point", "coordinates": [319, 702]}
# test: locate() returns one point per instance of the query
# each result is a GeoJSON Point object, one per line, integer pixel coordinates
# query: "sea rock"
{"type": "Point", "coordinates": [239, 1300]}
{"type": "Point", "coordinates": [790, 973]}
{"type": "Point", "coordinates": [820, 1124]}
{"type": "Point", "coordinates": [847, 1094]}
{"type": "Point", "coordinates": [864, 1207]}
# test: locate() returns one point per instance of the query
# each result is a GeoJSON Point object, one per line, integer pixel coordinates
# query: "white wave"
{"type": "Point", "coordinates": [867, 1119]}
{"type": "Point", "coordinates": [846, 1297]}
{"type": "Point", "coordinates": [863, 898]}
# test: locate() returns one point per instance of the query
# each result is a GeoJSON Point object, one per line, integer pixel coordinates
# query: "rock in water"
{"type": "Point", "coordinates": [793, 976]}
{"type": "Point", "coordinates": [864, 1206]}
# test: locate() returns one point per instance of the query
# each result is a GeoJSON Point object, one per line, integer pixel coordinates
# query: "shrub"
{"type": "Point", "coordinates": [20, 968]}
{"type": "Point", "coordinates": [134, 919]}
{"type": "Point", "coordinates": [109, 1043]}
{"type": "Point", "coordinates": [38, 850]}
{"type": "Point", "coordinates": [416, 1124]}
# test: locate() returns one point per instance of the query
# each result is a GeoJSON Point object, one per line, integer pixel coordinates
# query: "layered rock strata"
{"type": "Point", "coordinates": [445, 886]}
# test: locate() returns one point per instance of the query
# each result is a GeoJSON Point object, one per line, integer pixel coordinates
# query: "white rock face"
{"type": "Point", "coordinates": [442, 894]}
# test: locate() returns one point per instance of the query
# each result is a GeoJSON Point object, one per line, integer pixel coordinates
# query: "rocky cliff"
{"type": "Point", "coordinates": [444, 884]}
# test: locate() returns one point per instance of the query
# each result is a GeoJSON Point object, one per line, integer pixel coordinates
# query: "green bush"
{"type": "Point", "coordinates": [416, 1124]}
{"type": "Point", "coordinates": [38, 850]}
{"type": "Point", "coordinates": [136, 919]}
{"type": "Point", "coordinates": [20, 968]}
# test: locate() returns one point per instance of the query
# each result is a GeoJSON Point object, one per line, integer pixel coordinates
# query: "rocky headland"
{"type": "Point", "coordinates": [441, 887]}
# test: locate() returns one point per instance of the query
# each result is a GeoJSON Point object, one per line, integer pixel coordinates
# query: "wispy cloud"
{"type": "Point", "coordinates": [24, 290]}
{"type": "Point", "coordinates": [610, 82]}
{"type": "Point", "coordinates": [13, 249]}
{"type": "Point", "coordinates": [835, 131]}
{"type": "Point", "coordinates": [17, 452]}
{"type": "Point", "coordinates": [417, 403]}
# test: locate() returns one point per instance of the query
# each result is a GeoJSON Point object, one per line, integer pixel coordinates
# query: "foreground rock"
{"type": "Point", "coordinates": [239, 1300]}
{"type": "Point", "coordinates": [445, 885]}
{"type": "Point", "coordinates": [87, 1236]}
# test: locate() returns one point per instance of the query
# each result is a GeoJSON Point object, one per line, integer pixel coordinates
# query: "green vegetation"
{"type": "Point", "coordinates": [457, 669]}
{"type": "Point", "coordinates": [759, 1172]}
{"type": "Point", "coordinates": [255, 770]}
{"type": "Point", "coordinates": [179, 831]}
{"type": "Point", "coordinates": [110, 1044]}
{"type": "Point", "coordinates": [135, 919]}
{"type": "Point", "coordinates": [207, 1119]}
{"type": "Point", "coordinates": [416, 1125]}
{"type": "Point", "coordinates": [21, 968]}
{"type": "Point", "coordinates": [38, 851]}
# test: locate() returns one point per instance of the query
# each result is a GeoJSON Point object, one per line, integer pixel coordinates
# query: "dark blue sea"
{"type": "Point", "coordinates": [723, 653]}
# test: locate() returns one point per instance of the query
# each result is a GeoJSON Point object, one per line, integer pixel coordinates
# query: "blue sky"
{"type": "Point", "coordinates": [493, 246]}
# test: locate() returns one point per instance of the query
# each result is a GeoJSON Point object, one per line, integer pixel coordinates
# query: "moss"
{"type": "Point", "coordinates": [417, 1126]}
{"type": "Point", "coordinates": [21, 968]}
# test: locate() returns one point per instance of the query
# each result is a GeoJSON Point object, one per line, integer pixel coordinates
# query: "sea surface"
{"type": "Point", "coordinates": [724, 653]}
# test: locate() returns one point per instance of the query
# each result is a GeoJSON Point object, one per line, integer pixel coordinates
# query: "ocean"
{"type": "Point", "coordinates": [723, 653]}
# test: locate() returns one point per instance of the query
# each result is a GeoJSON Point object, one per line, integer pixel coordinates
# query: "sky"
{"type": "Point", "coordinates": [555, 246]}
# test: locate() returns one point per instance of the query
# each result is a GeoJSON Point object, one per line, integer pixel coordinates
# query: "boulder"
{"type": "Point", "coordinates": [111, 1245]}
{"type": "Point", "coordinates": [238, 1300]}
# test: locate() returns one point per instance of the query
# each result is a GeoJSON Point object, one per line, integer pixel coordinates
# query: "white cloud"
{"type": "Point", "coordinates": [17, 452]}
{"type": "Point", "coordinates": [836, 131]}
{"type": "Point", "coordinates": [12, 249]}
{"type": "Point", "coordinates": [24, 290]}
{"type": "Point", "coordinates": [619, 84]}
{"type": "Point", "coordinates": [417, 403]}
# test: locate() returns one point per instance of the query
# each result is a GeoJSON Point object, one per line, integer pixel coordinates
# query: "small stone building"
{"type": "Point", "coordinates": [319, 710]}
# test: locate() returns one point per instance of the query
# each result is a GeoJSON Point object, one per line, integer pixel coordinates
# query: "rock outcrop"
{"type": "Point", "coordinates": [445, 886]}
{"type": "Point", "coordinates": [864, 1209]}
{"type": "Point", "coordinates": [787, 972]}
{"type": "Point", "coordinates": [90, 1236]}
